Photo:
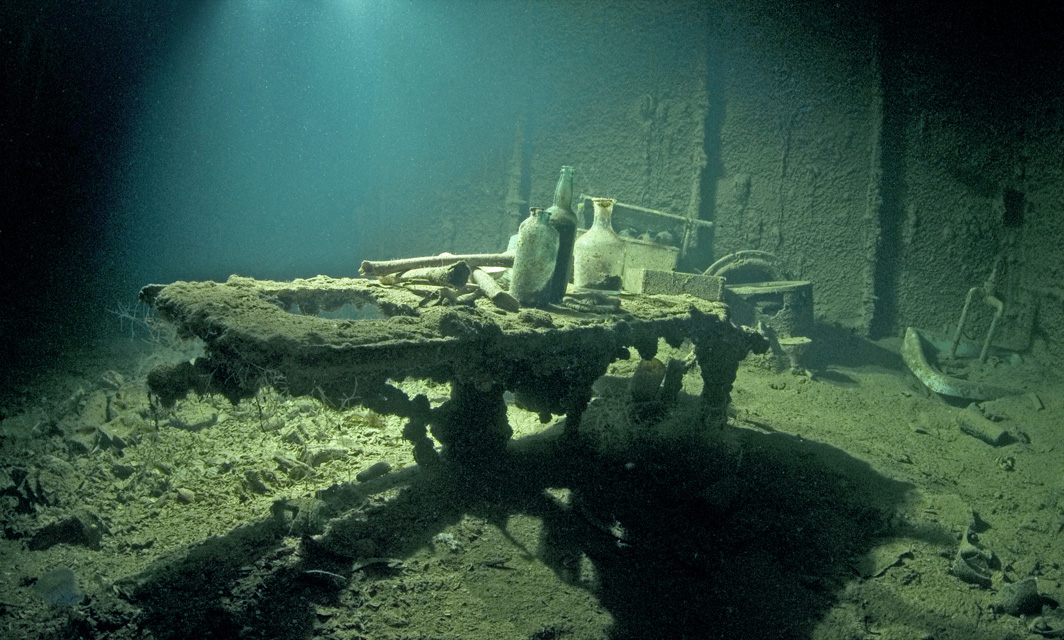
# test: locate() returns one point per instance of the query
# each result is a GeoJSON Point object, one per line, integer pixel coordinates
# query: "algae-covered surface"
{"type": "Point", "coordinates": [833, 505]}
{"type": "Point", "coordinates": [263, 332]}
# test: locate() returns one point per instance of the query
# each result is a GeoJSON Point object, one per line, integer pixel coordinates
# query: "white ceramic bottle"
{"type": "Point", "coordinates": [598, 255]}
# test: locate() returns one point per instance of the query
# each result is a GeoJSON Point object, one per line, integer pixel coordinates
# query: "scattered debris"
{"type": "Point", "coordinates": [972, 564]}
{"type": "Point", "coordinates": [388, 563]}
{"type": "Point", "coordinates": [880, 559]}
{"type": "Point", "coordinates": [1050, 624]}
{"type": "Point", "coordinates": [375, 471]}
{"type": "Point", "coordinates": [972, 422]}
{"type": "Point", "coordinates": [59, 587]}
{"type": "Point", "coordinates": [914, 352]}
{"type": "Point", "coordinates": [1018, 598]}
{"type": "Point", "coordinates": [82, 529]}
{"type": "Point", "coordinates": [499, 562]}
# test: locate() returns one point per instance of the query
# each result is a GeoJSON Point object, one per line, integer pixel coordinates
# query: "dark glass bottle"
{"type": "Point", "coordinates": [563, 220]}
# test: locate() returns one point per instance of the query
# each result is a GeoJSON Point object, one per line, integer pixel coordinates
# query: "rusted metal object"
{"type": "Point", "coordinates": [474, 260]}
{"type": "Point", "coordinates": [498, 296]}
{"type": "Point", "coordinates": [453, 275]}
{"type": "Point", "coordinates": [915, 356]}
{"type": "Point", "coordinates": [986, 294]}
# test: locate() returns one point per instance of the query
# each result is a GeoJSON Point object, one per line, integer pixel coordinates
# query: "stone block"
{"type": "Point", "coordinates": [654, 282]}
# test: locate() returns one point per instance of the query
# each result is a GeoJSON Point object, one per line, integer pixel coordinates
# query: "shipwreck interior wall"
{"type": "Point", "coordinates": [799, 140]}
{"type": "Point", "coordinates": [892, 155]}
{"type": "Point", "coordinates": [979, 125]}
{"type": "Point", "coordinates": [617, 90]}
{"type": "Point", "coordinates": [889, 155]}
{"type": "Point", "coordinates": [637, 130]}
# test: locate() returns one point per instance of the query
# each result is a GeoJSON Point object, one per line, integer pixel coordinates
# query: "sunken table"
{"type": "Point", "coordinates": [345, 341]}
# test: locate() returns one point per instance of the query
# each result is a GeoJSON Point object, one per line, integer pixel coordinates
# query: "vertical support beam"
{"type": "Point", "coordinates": [886, 207]}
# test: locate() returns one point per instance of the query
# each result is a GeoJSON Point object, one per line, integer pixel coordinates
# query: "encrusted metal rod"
{"type": "Point", "coordinates": [453, 275]}
{"type": "Point", "coordinates": [494, 292]}
{"type": "Point", "coordinates": [964, 318]}
{"type": "Point", "coordinates": [987, 293]}
{"type": "Point", "coordinates": [999, 310]}
{"type": "Point", "coordinates": [671, 216]}
{"type": "Point", "coordinates": [474, 260]}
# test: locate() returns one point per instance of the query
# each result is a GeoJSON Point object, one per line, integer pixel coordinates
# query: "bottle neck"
{"type": "Point", "coordinates": [563, 193]}
{"type": "Point", "coordinates": [603, 217]}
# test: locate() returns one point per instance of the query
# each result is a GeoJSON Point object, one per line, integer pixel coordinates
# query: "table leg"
{"type": "Point", "coordinates": [472, 424]}
{"type": "Point", "coordinates": [719, 364]}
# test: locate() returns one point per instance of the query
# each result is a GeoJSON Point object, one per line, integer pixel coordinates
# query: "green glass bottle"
{"type": "Point", "coordinates": [563, 220]}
